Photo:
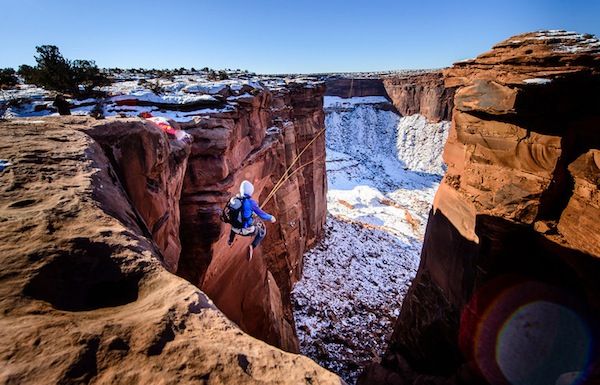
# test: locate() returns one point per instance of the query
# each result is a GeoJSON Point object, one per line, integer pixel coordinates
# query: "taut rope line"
{"type": "Point", "coordinates": [285, 175]}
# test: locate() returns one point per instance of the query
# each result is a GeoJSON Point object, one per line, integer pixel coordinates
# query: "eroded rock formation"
{"type": "Point", "coordinates": [151, 169]}
{"type": "Point", "coordinates": [351, 87]}
{"type": "Point", "coordinates": [421, 93]}
{"type": "Point", "coordinates": [84, 294]}
{"type": "Point", "coordinates": [507, 290]}
{"type": "Point", "coordinates": [257, 141]}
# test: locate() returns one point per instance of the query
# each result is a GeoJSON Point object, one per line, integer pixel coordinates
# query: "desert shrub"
{"type": "Point", "coordinates": [156, 87]}
{"type": "Point", "coordinates": [98, 111]}
{"type": "Point", "coordinates": [56, 73]}
{"type": "Point", "coordinates": [223, 75]}
{"type": "Point", "coordinates": [87, 74]}
{"type": "Point", "coordinates": [212, 75]}
{"type": "Point", "coordinates": [53, 70]}
{"type": "Point", "coordinates": [8, 78]}
{"type": "Point", "coordinates": [28, 73]}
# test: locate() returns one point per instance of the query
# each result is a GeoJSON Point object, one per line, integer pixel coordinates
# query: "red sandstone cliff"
{"type": "Point", "coordinates": [507, 290]}
{"type": "Point", "coordinates": [228, 148]}
{"type": "Point", "coordinates": [421, 93]}
{"type": "Point", "coordinates": [88, 226]}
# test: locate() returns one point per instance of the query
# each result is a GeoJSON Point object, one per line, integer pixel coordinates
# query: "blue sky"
{"type": "Point", "coordinates": [279, 36]}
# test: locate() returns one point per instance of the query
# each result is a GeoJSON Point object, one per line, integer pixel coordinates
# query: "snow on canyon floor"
{"type": "Point", "coordinates": [355, 279]}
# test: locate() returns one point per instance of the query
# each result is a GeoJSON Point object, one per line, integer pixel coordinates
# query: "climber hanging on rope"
{"type": "Point", "coordinates": [239, 212]}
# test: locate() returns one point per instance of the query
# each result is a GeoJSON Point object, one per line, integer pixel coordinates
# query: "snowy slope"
{"type": "Point", "coordinates": [350, 294]}
{"type": "Point", "coordinates": [382, 171]}
{"type": "Point", "coordinates": [420, 143]}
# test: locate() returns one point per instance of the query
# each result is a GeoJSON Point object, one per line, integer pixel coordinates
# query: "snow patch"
{"type": "Point", "coordinates": [336, 101]}
{"type": "Point", "coordinates": [176, 98]}
{"type": "Point", "coordinates": [537, 81]}
{"type": "Point", "coordinates": [351, 293]}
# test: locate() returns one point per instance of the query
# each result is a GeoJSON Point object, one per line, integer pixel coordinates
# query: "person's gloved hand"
{"type": "Point", "coordinates": [273, 220]}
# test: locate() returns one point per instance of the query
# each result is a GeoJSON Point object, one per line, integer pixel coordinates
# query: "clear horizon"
{"type": "Point", "coordinates": [275, 37]}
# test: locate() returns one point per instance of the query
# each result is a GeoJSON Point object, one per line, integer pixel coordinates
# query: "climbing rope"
{"type": "Point", "coordinates": [286, 174]}
{"type": "Point", "coordinates": [288, 177]}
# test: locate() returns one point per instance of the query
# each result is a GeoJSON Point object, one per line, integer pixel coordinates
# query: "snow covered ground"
{"type": "Point", "coordinates": [354, 281]}
{"type": "Point", "coordinates": [128, 98]}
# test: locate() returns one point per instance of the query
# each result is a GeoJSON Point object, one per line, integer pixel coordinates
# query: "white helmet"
{"type": "Point", "coordinates": [246, 188]}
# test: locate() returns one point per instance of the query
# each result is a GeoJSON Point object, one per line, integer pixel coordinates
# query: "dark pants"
{"type": "Point", "coordinates": [259, 234]}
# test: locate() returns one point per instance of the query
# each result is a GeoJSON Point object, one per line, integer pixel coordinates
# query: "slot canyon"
{"type": "Point", "coordinates": [434, 227]}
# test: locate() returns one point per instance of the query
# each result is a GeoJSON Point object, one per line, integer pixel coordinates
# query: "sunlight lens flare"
{"type": "Point", "coordinates": [542, 342]}
{"type": "Point", "coordinates": [519, 332]}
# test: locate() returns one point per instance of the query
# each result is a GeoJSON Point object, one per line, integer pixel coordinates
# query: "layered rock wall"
{"type": "Point", "coordinates": [411, 93]}
{"type": "Point", "coordinates": [256, 141]}
{"type": "Point", "coordinates": [421, 93]}
{"type": "Point", "coordinates": [507, 290]}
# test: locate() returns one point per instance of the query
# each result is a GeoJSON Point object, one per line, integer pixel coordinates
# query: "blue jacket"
{"type": "Point", "coordinates": [250, 206]}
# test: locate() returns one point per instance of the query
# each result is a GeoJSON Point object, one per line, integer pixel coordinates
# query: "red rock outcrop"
{"type": "Point", "coordinates": [151, 169]}
{"type": "Point", "coordinates": [84, 295]}
{"type": "Point", "coordinates": [255, 141]}
{"type": "Point", "coordinates": [351, 87]}
{"type": "Point", "coordinates": [421, 93]}
{"type": "Point", "coordinates": [507, 290]}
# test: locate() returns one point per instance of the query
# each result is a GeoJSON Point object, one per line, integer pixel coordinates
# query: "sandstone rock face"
{"type": "Point", "coordinates": [351, 87]}
{"type": "Point", "coordinates": [579, 222]}
{"type": "Point", "coordinates": [84, 292]}
{"type": "Point", "coordinates": [257, 141]}
{"type": "Point", "coordinates": [151, 169]}
{"type": "Point", "coordinates": [421, 93]}
{"type": "Point", "coordinates": [511, 258]}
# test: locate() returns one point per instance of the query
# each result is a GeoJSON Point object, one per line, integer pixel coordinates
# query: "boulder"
{"type": "Point", "coordinates": [150, 167]}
